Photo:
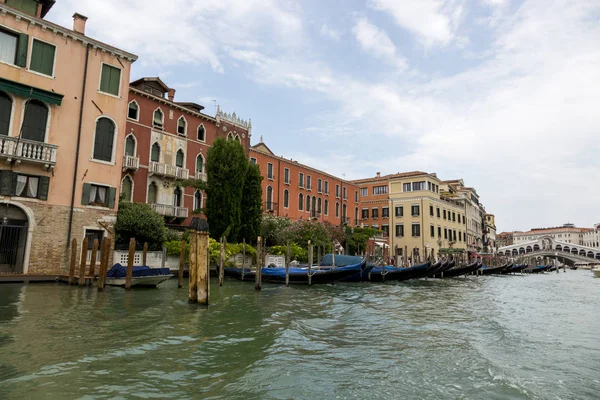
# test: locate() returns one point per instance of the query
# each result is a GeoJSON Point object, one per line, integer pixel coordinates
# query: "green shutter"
{"type": "Point", "coordinates": [85, 195]}
{"type": "Point", "coordinates": [112, 194]}
{"type": "Point", "coordinates": [110, 79]}
{"type": "Point", "coordinates": [105, 78]}
{"type": "Point", "coordinates": [43, 188]}
{"type": "Point", "coordinates": [5, 182]}
{"type": "Point", "coordinates": [115, 81]}
{"type": "Point", "coordinates": [42, 58]}
{"type": "Point", "coordinates": [21, 60]}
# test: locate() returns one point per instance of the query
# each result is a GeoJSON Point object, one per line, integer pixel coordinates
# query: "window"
{"type": "Point", "coordinates": [365, 213]}
{"type": "Point", "coordinates": [179, 158]}
{"type": "Point", "coordinates": [300, 202]}
{"type": "Point", "coordinates": [407, 187]}
{"type": "Point", "coordinates": [133, 110]}
{"type": "Point", "coordinates": [364, 191]}
{"type": "Point", "coordinates": [9, 43]}
{"type": "Point", "coordinates": [445, 233]}
{"type": "Point", "coordinates": [416, 230]}
{"type": "Point", "coordinates": [375, 213]}
{"type": "Point", "coordinates": [27, 186]}
{"type": "Point", "coordinates": [181, 126]}
{"type": "Point", "coordinates": [308, 182]}
{"type": "Point", "coordinates": [270, 171]}
{"type": "Point", "coordinates": [438, 212]}
{"type": "Point", "coordinates": [42, 58]}
{"type": "Point", "coordinates": [399, 230]}
{"type": "Point", "coordinates": [158, 119]}
{"type": "Point", "coordinates": [269, 198]}
{"type": "Point", "coordinates": [103, 141]}
{"type": "Point", "coordinates": [110, 80]}
{"type": "Point", "coordinates": [307, 203]}
{"type": "Point", "coordinates": [444, 214]}
{"type": "Point", "coordinates": [380, 189]}
{"type": "Point", "coordinates": [286, 199]}
{"type": "Point", "coordinates": [459, 236]}
{"type": "Point", "coordinates": [415, 211]}
{"type": "Point", "coordinates": [337, 210]}
{"type": "Point", "coordinates": [459, 218]}
{"type": "Point", "coordinates": [5, 112]}
{"type": "Point", "coordinates": [320, 185]}
{"type": "Point", "coordinates": [453, 217]}
{"type": "Point", "coordinates": [198, 201]}
{"type": "Point", "coordinates": [252, 160]}
{"type": "Point", "coordinates": [418, 186]}
{"type": "Point", "coordinates": [337, 191]}
{"type": "Point", "coordinates": [155, 153]}
{"type": "Point", "coordinates": [326, 187]}
{"type": "Point", "coordinates": [286, 176]}
{"type": "Point", "coordinates": [177, 197]}
{"type": "Point", "coordinates": [126, 188]}
{"type": "Point", "coordinates": [96, 195]}
{"type": "Point", "coordinates": [385, 212]}
{"type": "Point", "coordinates": [301, 180]}
{"type": "Point", "coordinates": [432, 231]}
{"type": "Point", "coordinates": [200, 163]}
{"type": "Point", "coordinates": [431, 210]}
{"type": "Point", "coordinates": [344, 193]}
{"type": "Point", "coordinates": [319, 206]}
{"type": "Point", "coordinates": [386, 230]}
{"type": "Point", "coordinates": [202, 134]}
{"type": "Point", "coordinates": [439, 231]}
{"type": "Point", "coordinates": [35, 121]}
{"type": "Point", "coordinates": [429, 186]}
{"type": "Point", "coordinates": [356, 196]}
{"type": "Point", "coordinates": [326, 207]}
{"type": "Point", "coordinates": [399, 211]}
{"type": "Point", "coordinates": [152, 193]}
{"type": "Point", "coordinates": [454, 235]}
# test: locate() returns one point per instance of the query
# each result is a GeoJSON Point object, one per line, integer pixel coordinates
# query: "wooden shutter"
{"type": "Point", "coordinates": [22, 46]}
{"type": "Point", "coordinates": [5, 111]}
{"type": "Point", "coordinates": [6, 182]}
{"type": "Point", "coordinates": [85, 195]}
{"type": "Point", "coordinates": [35, 121]}
{"type": "Point", "coordinates": [43, 188]}
{"type": "Point", "coordinates": [103, 142]}
{"type": "Point", "coordinates": [115, 80]}
{"type": "Point", "coordinates": [112, 194]}
{"type": "Point", "coordinates": [105, 79]}
{"type": "Point", "coordinates": [42, 57]}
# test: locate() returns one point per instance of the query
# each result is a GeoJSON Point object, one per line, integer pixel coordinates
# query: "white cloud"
{"type": "Point", "coordinates": [376, 41]}
{"type": "Point", "coordinates": [329, 32]}
{"type": "Point", "coordinates": [434, 22]}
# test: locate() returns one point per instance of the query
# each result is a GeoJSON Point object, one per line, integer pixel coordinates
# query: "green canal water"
{"type": "Point", "coordinates": [499, 337]}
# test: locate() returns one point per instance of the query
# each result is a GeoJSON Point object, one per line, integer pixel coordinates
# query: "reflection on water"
{"type": "Point", "coordinates": [521, 337]}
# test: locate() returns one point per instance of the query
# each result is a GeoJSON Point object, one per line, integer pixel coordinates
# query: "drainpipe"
{"type": "Point", "coordinates": [72, 209]}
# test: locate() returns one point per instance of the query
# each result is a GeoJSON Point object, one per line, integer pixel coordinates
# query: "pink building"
{"type": "Point", "coordinates": [63, 103]}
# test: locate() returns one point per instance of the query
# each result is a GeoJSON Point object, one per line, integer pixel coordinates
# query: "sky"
{"type": "Point", "coordinates": [504, 94]}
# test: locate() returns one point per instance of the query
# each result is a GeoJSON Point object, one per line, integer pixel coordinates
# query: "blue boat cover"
{"type": "Point", "coordinates": [301, 271]}
{"type": "Point", "coordinates": [119, 271]}
{"type": "Point", "coordinates": [340, 260]}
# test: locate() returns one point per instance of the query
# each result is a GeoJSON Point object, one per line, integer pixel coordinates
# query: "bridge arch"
{"type": "Point", "coordinates": [528, 249]}
{"type": "Point", "coordinates": [558, 247]}
{"type": "Point", "coordinates": [536, 247]}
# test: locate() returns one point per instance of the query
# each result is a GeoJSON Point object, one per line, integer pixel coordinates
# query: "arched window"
{"type": "Point", "coordinates": [314, 204]}
{"type": "Point", "coordinates": [103, 141]}
{"type": "Point", "coordinates": [344, 211]}
{"type": "Point", "coordinates": [286, 199]}
{"type": "Point", "coordinates": [177, 197]}
{"type": "Point", "coordinates": [200, 163]}
{"type": "Point", "coordinates": [179, 158]}
{"type": "Point", "coordinates": [152, 193]}
{"type": "Point", "coordinates": [197, 201]}
{"type": "Point", "coordinates": [158, 119]}
{"type": "Point", "coordinates": [337, 210]}
{"type": "Point", "coordinates": [155, 153]}
{"type": "Point", "coordinates": [237, 138]}
{"type": "Point", "coordinates": [300, 202]}
{"type": "Point", "coordinates": [130, 146]}
{"type": "Point", "coordinates": [326, 207]}
{"type": "Point", "coordinates": [35, 121]}
{"type": "Point", "coordinates": [201, 133]}
{"type": "Point", "coordinates": [126, 188]}
{"type": "Point", "coordinates": [181, 126]}
{"type": "Point", "coordinates": [229, 136]}
{"type": "Point", "coordinates": [133, 111]}
{"type": "Point", "coordinates": [319, 206]}
{"type": "Point", "coordinates": [356, 216]}
{"type": "Point", "coordinates": [5, 113]}
{"type": "Point", "coordinates": [269, 198]}
{"type": "Point", "coordinates": [307, 203]}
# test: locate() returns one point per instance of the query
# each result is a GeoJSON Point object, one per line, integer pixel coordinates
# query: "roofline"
{"type": "Point", "coordinates": [393, 176]}
{"type": "Point", "coordinates": [151, 78]}
{"type": "Point", "coordinates": [76, 36]}
{"type": "Point", "coordinates": [171, 103]}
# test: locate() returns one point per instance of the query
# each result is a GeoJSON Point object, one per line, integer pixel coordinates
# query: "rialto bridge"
{"type": "Point", "coordinates": [548, 247]}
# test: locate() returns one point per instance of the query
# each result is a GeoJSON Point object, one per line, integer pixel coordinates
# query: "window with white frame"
{"type": "Point", "coordinates": [42, 58]}
{"type": "Point", "coordinates": [158, 119]}
{"type": "Point", "coordinates": [181, 126]}
{"type": "Point", "coordinates": [133, 111]}
{"type": "Point", "coordinates": [201, 133]}
{"type": "Point", "coordinates": [380, 189]}
{"type": "Point", "coordinates": [110, 79]}
{"type": "Point", "coordinates": [270, 171]}
{"type": "Point", "coordinates": [104, 140]}
{"type": "Point", "coordinates": [286, 176]}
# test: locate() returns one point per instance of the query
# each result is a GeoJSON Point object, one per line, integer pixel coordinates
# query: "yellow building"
{"type": "Point", "coordinates": [421, 221]}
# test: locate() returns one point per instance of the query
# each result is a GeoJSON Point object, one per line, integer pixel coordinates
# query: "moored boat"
{"type": "Point", "coordinates": [389, 273]}
{"type": "Point", "coordinates": [319, 274]}
{"type": "Point", "coordinates": [142, 276]}
{"type": "Point", "coordinates": [462, 270]}
{"type": "Point", "coordinates": [494, 270]}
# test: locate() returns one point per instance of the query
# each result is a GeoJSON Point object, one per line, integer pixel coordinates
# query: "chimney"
{"type": "Point", "coordinates": [379, 174]}
{"type": "Point", "coordinates": [171, 94]}
{"type": "Point", "coordinates": [79, 23]}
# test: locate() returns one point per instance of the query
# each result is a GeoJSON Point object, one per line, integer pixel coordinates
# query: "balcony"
{"type": "Point", "coordinates": [170, 211]}
{"type": "Point", "coordinates": [168, 171]}
{"type": "Point", "coordinates": [345, 220]}
{"type": "Point", "coordinates": [315, 214]}
{"type": "Point", "coordinates": [270, 207]}
{"type": "Point", "coordinates": [15, 149]}
{"type": "Point", "coordinates": [131, 163]}
{"type": "Point", "coordinates": [201, 176]}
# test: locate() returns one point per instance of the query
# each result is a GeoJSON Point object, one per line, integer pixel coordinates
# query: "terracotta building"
{"type": "Point", "coordinates": [63, 99]}
{"type": "Point", "coordinates": [297, 191]}
{"type": "Point", "coordinates": [166, 142]}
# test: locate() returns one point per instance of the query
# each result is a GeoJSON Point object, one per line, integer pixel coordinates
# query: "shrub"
{"type": "Point", "coordinates": [140, 222]}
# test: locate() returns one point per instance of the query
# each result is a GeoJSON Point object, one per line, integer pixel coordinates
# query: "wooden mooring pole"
{"type": "Point", "coordinates": [145, 254]}
{"type": "Point", "coordinates": [93, 259]}
{"type": "Point", "coordinates": [243, 258]}
{"type": "Point", "coordinates": [73, 261]}
{"type": "Point", "coordinates": [310, 263]}
{"type": "Point", "coordinates": [287, 264]}
{"type": "Point", "coordinates": [193, 268]}
{"type": "Point", "coordinates": [130, 258]}
{"type": "Point", "coordinates": [222, 260]}
{"type": "Point", "coordinates": [259, 262]}
{"type": "Point", "coordinates": [84, 249]}
{"type": "Point", "coordinates": [203, 268]}
{"type": "Point", "coordinates": [181, 263]}
{"type": "Point", "coordinates": [105, 248]}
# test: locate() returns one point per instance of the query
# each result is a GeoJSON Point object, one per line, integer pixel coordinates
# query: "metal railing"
{"type": "Point", "coordinates": [131, 162]}
{"type": "Point", "coordinates": [14, 148]}
{"type": "Point", "coordinates": [170, 171]}
{"type": "Point", "coordinates": [170, 211]}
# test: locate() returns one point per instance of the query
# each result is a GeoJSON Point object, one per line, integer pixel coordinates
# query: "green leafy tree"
{"type": "Point", "coordinates": [251, 205]}
{"type": "Point", "coordinates": [226, 167]}
{"type": "Point", "coordinates": [275, 230]}
{"type": "Point", "coordinates": [139, 221]}
{"type": "Point", "coordinates": [358, 237]}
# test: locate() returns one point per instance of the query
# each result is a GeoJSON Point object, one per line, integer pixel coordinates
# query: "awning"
{"type": "Point", "coordinates": [30, 92]}
{"type": "Point", "coordinates": [382, 244]}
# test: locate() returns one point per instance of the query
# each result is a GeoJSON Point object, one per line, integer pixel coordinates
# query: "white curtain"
{"type": "Point", "coordinates": [8, 48]}
{"type": "Point", "coordinates": [102, 194]}
{"type": "Point", "coordinates": [93, 191]}
{"type": "Point", "coordinates": [32, 188]}
{"type": "Point", "coordinates": [21, 181]}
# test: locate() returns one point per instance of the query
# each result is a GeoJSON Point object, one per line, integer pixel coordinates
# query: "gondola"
{"type": "Point", "coordinates": [319, 274]}
{"type": "Point", "coordinates": [388, 273]}
{"type": "Point", "coordinates": [441, 266]}
{"type": "Point", "coordinates": [462, 270]}
{"type": "Point", "coordinates": [494, 270]}
{"type": "Point", "coordinates": [515, 268]}
{"type": "Point", "coordinates": [441, 272]}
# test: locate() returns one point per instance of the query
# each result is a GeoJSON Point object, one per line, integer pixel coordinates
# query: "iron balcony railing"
{"type": "Point", "coordinates": [170, 211]}
{"type": "Point", "coordinates": [169, 171]}
{"type": "Point", "coordinates": [131, 163]}
{"type": "Point", "coordinates": [13, 148]}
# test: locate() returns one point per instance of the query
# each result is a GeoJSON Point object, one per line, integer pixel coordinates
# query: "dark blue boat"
{"type": "Point", "coordinates": [388, 273]}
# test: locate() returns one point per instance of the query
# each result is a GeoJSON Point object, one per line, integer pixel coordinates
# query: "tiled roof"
{"type": "Point", "coordinates": [390, 176]}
